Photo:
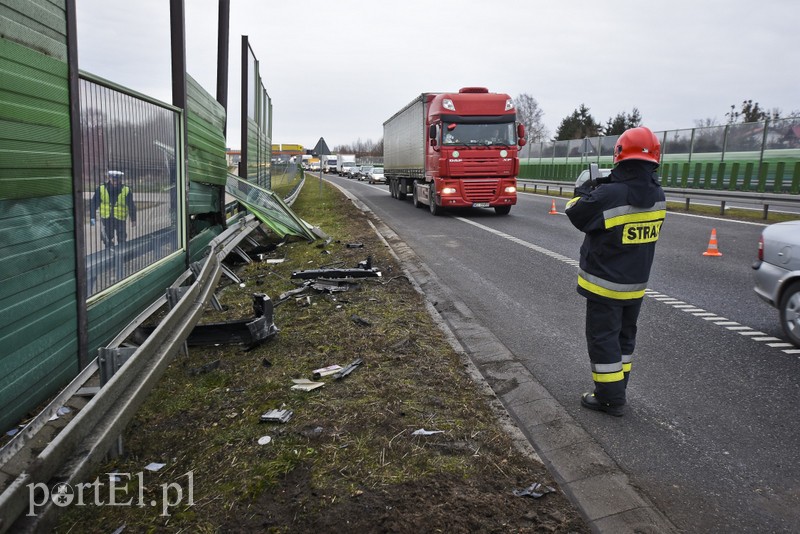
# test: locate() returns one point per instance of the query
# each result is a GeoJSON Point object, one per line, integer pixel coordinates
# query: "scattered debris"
{"type": "Point", "coordinates": [64, 410]}
{"type": "Point", "coordinates": [349, 369]}
{"type": "Point", "coordinates": [248, 332]}
{"type": "Point", "coordinates": [535, 490]}
{"type": "Point", "coordinates": [303, 302]}
{"type": "Point", "coordinates": [264, 440]}
{"type": "Point", "coordinates": [154, 466]}
{"type": "Point", "coordinates": [304, 384]}
{"type": "Point", "coordinates": [423, 432]}
{"type": "Point", "coordinates": [334, 286]}
{"type": "Point", "coordinates": [355, 245]}
{"type": "Point", "coordinates": [360, 321]}
{"type": "Point", "coordinates": [203, 369]}
{"type": "Point", "coordinates": [266, 363]}
{"type": "Point", "coordinates": [364, 270]}
{"type": "Point", "coordinates": [277, 416]}
{"type": "Point", "coordinates": [325, 371]}
{"type": "Point", "coordinates": [12, 432]}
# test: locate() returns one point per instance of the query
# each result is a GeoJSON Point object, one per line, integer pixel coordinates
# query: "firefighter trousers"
{"type": "Point", "coordinates": [611, 339]}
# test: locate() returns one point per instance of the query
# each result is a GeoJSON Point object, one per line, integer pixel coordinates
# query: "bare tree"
{"type": "Point", "coordinates": [530, 115]}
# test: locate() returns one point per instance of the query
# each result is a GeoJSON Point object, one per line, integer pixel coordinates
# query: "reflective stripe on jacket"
{"type": "Point", "coordinates": [120, 206]}
{"type": "Point", "coordinates": [622, 219]}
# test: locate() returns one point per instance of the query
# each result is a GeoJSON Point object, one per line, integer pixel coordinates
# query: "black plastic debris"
{"type": "Point", "coordinates": [276, 416]}
{"type": "Point", "coordinates": [203, 369]}
{"type": "Point", "coordinates": [352, 366]}
{"type": "Point", "coordinates": [535, 490]}
{"type": "Point", "coordinates": [364, 270]}
{"type": "Point", "coordinates": [355, 245]}
{"type": "Point", "coordinates": [249, 332]}
{"type": "Point", "coordinates": [360, 321]}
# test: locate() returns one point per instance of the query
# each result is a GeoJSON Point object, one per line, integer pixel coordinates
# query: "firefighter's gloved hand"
{"type": "Point", "coordinates": [91, 221]}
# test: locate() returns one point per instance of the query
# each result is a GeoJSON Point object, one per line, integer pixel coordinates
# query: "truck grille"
{"type": "Point", "coordinates": [479, 167]}
{"type": "Point", "coordinates": [479, 190]}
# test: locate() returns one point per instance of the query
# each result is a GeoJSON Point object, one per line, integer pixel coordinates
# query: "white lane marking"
{"type": "Point", "coordinates": [666, 299]}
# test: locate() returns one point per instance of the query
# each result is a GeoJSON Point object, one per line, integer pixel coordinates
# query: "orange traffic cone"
{"type": "Point", "coordinates": [553, 209]}
{"type": "Point", "coordinates": [712, 245]}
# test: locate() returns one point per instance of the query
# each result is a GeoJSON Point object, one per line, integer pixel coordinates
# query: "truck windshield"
{"type": "Point", "coordinates": [479, 134]}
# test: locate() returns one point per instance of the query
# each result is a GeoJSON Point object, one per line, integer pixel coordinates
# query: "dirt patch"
{"type": "Point", "coordinates": [348, 460]}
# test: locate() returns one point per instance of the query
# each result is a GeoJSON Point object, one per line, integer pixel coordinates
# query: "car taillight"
{"type": "Point", "coordinates": [761, 248]}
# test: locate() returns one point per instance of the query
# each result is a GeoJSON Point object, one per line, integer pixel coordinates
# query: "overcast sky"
{"type": "Point", "coordinates": [339, 69]}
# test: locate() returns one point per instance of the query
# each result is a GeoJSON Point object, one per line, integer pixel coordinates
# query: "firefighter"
{"type": "Point", "coordinates": [114, 199]}
{"type": "Point", "coordinates": [621, 216]}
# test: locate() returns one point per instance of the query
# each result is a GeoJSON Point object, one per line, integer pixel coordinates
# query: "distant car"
{"type": "Point", "coordinates": [351, 171]}
{"type": "Point", "coordinates": [363, 171]}
{"type": "Point", "coordinates": [777, 274]}
{"type": "Point", "coordinates": [375, 176]}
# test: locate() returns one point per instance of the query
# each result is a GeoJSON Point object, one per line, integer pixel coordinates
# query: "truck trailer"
{"type": "Point", "coordinates": [454, 150]}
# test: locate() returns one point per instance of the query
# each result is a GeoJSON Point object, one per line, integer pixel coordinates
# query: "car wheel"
{"type": "Point", "coordinates": [790, 313]}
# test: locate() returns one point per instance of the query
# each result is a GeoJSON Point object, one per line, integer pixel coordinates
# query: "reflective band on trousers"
{"type": "Point", "coordinates": [626, 362]}
{"type": "Point", "coordinates": [607, 372]}
{"type": "Point", "coordinates": [604, 288]}
{"type": "Point", "coordinates": [608, 377]}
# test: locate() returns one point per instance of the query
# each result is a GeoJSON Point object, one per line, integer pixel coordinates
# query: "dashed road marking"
{"type": "Point", "coordinates": [733, 326]}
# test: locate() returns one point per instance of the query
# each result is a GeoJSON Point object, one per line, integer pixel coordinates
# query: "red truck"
{"type": "Point", "coordinates": [455, 150]}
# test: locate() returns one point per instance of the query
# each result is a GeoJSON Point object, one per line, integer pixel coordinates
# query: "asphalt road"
{"type": "Point", "coordinates": [711, 433]}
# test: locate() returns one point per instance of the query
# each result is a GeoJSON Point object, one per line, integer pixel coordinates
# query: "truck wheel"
{"type": "Point", "coordinates": [435, 210]}
{"type": "Point", "coordinates": [502, 210]}
{"type": "Point", "coordinates": [790, 313]}
{"type": "Point", "coordinates": [414, 198]}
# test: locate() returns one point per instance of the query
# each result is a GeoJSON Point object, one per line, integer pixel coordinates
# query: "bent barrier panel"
{"type": "Point", "coordinates": [81, 446]}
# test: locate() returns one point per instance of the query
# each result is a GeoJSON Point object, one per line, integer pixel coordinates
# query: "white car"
{"type": "Point", "coordinates": [375, 176]}
{"type": "Point", "coordinates": [777, 274]}
{"type": "Point", "coordinates": [582, 177]}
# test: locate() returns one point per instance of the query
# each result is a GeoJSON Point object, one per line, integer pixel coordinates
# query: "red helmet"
{"type": "Point", "coordinates": [637, 143]}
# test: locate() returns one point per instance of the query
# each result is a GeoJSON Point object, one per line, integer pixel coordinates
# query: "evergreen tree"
{"type": "Point", "coordinates": [578, 125]}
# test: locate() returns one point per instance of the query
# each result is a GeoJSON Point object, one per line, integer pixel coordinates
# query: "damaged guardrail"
{"type": "Point", "coordinates": [84, 442]}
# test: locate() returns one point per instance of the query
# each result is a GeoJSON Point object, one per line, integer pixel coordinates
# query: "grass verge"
{"type": "Point", "coordinates": [348, 460]}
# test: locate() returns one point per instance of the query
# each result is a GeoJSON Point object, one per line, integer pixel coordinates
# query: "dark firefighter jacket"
{"type": "Point", "coordinates": [622, 218]}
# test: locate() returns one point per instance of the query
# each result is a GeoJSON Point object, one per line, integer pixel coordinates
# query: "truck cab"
{"type": "Point", "coordinates": [470, 153]}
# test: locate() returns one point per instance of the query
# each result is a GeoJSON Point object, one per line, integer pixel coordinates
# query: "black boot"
{"type": "Point", "coordinates": [588, 400]}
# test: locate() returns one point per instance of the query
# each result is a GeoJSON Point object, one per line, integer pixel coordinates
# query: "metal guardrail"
{"type": "Point", "coordinates": [765, 200]}
{"type": "Point", "coordinates": [84, 442]}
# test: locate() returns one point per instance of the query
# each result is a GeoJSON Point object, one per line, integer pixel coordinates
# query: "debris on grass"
{"type": "Point", "coordinates": [277, 416]}
{"type": "Point", "coordinates": [304, 384]}
{"type": "Point", "coordinates": [535, 490]}
{"type": "Point", "coordinates": [423, 432]}
{"type": "Point", "coordinates": [325, 371]}
{"type": "Point", "coordinates": [349, 369]}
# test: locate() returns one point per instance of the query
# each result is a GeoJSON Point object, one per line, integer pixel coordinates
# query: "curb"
{"type": "Point", "coordinates": [539, 425]}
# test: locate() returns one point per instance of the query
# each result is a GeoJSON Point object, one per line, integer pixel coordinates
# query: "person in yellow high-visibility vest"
{"type": "Point", "coordinates": [114, 200]}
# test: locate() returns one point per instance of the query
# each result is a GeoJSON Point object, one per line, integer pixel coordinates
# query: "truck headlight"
{"type": "Point", "coordinates": [511, 189]}
{"type": "Point", "coordinates": [448, 190]}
